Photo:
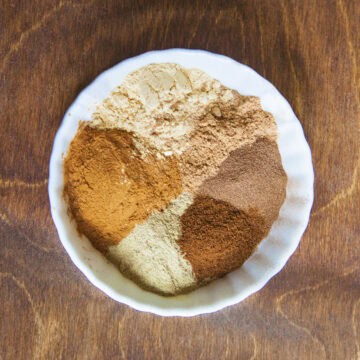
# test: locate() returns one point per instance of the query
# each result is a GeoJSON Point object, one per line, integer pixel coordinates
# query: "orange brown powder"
{"type": "Point", "coordinates": [110, 188]}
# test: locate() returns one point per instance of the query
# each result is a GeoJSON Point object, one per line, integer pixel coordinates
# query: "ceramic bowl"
{"type": "Point", "coordinates": [272, 253]}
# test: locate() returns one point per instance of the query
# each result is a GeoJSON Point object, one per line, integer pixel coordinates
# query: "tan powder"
{"type": "Point", "coordinates": [226, 126]}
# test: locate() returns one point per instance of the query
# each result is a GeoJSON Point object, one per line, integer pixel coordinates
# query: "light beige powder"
{"type": "Point", "coordinates": [150, 254]}
{"type": "Point", "coordinates": [161, 104]}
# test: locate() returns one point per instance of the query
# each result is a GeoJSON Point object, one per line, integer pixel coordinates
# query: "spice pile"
{"type": "Point", "coordinates": [176, 179]}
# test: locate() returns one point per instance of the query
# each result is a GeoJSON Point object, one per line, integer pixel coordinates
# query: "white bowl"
{"type": "Point", "coordinates": [273, 252]}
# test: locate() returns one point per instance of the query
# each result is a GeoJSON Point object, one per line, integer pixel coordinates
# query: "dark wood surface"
{"type": "Point", "coordinates": [50, 50]}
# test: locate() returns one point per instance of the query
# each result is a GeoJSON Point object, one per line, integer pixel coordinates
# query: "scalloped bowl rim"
{"type": "Point", "coordinates": [273, 252]}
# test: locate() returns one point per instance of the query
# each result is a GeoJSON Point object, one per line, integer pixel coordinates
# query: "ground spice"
{"type": "Point", "coordinates": [252, 176]}
{"type": "Point", "coordinates": [217, 237]}
{"type": "Point", "coordinates": [224, 127]}
{"type": "Point", "coordinates": [176, 179]}
{"type": "Point", "coordinates": [110, 188]}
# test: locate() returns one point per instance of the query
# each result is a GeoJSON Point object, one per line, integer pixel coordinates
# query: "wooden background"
{"type": "Point", "coordinates": [51, 49]}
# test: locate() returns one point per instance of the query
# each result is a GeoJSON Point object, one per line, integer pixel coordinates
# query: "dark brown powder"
{"type": "Point", "coordinates": [217, 237]}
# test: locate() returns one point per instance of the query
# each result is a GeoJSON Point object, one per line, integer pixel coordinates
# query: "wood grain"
{"type": "Point", "coordinates": [50, 50]}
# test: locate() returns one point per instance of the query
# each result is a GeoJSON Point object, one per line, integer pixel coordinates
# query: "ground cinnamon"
{"type": "Point", "coordinates": [110, 188]}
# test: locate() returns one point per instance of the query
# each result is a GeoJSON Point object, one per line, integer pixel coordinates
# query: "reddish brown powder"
{"type": "Point", "coordinates": [217, 237]}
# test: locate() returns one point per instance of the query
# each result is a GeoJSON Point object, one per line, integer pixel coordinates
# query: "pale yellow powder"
{"type": "Point", "coordinates": [150, 254]}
